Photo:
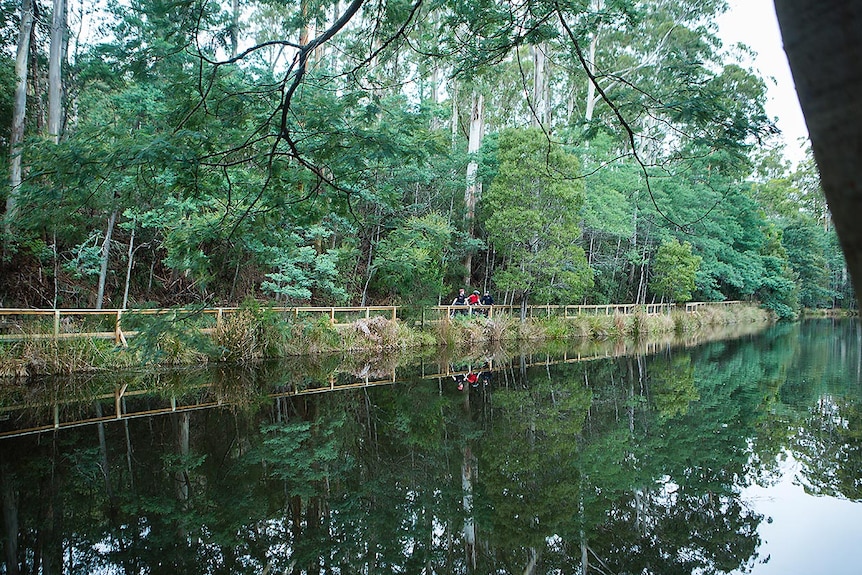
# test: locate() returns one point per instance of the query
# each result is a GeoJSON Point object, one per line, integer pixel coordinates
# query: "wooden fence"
{"type": "Point", "coordinates": [109, 323]}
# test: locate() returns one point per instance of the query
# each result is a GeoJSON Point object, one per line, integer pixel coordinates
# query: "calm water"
{"type": "Point", "coordinates": [736, 456]}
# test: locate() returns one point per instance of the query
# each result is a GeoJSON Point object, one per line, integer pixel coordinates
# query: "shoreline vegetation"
{"type": "Point", "coordinates": [255, 333]}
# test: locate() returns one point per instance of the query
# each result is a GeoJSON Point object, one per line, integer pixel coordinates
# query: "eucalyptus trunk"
{"type": "Point", "coordinates": [540, 86]}
{"type": "Point", "coordinates": [474, 186]}
{"type": "Point", "coordinates": [130, 263]}
{"type": "Point", "coordinates": [592, 99]}
{"type": "Point", "coordinates": [234, 28]}
{"type": "Point", "coordinates": [105, 257]}
{"type": "Point", "coordinates": [19, 109]}
{"type": "Point", "coordinates": [823, 42]}
{"type": "Point", "coordinates": [55, 70]}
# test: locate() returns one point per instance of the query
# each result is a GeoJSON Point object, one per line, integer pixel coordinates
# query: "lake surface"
{"type": "Point", "coordinates": [735, 456]}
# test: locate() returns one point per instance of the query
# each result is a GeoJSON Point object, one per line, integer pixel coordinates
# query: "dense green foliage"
{"type": "Point", "coordinates": [533, 205]}
{"type": "Point", "coordinates": [674, 271]}
{"type": "Point", "coordinates": [316, 153]}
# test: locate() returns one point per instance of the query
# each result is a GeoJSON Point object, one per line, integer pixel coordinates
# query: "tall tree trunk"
{"type": "Point", "coordinates": [106, 252]}
{"type": "Point", "coordinates": [453, 88]}
{"type": "Point", "coordinates": [540, 86]}
{"type": "Point", "coordinates": [131, 256]}
{"type": "Point", "coordinates": [19, 110]}
{"type": "Point", "coordinates": [592, 98]}
{"type": "Point", "coordinates": [435, 91]}
{"type": "Point", "coordinates": [823, 42]}
{"type": "Point", "coordinates": [474, 186]}
{"type": "Point", "coordinates": [56, 260]}
{"type": "Point", "coordinates": [234, 29]}
{"type": "Point", "coordinates": [55, 70]}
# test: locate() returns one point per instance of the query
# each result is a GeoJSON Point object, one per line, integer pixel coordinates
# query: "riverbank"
{"type": "Point", "coordinates": [255, 333]}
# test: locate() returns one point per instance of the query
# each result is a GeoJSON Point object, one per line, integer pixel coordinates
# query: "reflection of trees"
{"type": "Point", "coordinates": [528, 468]}
{"type": "Point", "coordinates": [824, 416]}
{"type": "Point", "coordinates": [828, 445]}
{"type": "Point", "coordinates": [582, 471]}
{"type": "Point", "coordinates": [629, 465]}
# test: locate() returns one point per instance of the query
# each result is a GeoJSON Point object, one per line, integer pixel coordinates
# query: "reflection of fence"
{"type": "Point", "coordinates": [120, 405]}
{"type": "Point", "coordinates": [108, 323]}
{"type": "Point", "coordinates": [32, 416]}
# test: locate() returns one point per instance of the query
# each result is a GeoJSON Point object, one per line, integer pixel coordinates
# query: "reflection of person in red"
{"type": "Point", "coordinates": [473, 378]}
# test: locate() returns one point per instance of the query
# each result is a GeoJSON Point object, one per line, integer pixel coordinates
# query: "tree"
{"type": "Point", "coordinates": [19, 110]}
{"type": "Point", "coordinates": [533, 209]}
{"type": "Point", "coordinates": [55, 69]}
{"type": "Point", "coordinates": [806, 246]}
{"type": "Point", "coordinates": [674, 271]}
{"type": "Point", "coordinates": [410, 261]}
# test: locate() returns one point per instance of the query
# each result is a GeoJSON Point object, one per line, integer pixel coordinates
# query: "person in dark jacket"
{"type": "Point", "coordinates": [461, 298]}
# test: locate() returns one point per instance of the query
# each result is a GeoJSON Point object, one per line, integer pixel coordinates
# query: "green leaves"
{"type": "Point", "coordinates": [674, 271]}
{"type": "Point", "coordinates": [410, 260]}
{"type": "Point", "coordinates": [533, 212]}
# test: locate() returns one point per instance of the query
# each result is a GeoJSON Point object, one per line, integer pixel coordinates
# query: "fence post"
{"type": "Point", "coordinates": [219, 318]}
{"type": "Point", "coordinates": [56, 323]}
{"type": "Point", "coordinates": [119, 338]}
{"type": "Point", "coordinates": [394, 312]}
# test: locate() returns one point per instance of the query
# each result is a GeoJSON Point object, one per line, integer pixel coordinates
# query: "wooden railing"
{"type": "Point", "coordinates": [60, 325]}
{"type": "Point", "coordinates": [212, 318]}
{"type": "Point", "coordinates": [570, 311]}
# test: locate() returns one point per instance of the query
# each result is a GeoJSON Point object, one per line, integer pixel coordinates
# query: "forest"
{"type": "Point", "coordinates": [175, 152]}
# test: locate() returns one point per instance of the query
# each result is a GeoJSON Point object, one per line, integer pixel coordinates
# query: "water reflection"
{"type": "Point", "coordinates": [489, 461]}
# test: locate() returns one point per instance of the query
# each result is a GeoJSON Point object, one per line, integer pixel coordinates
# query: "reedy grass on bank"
{"type": "Point", "coordinates": [255, 333]}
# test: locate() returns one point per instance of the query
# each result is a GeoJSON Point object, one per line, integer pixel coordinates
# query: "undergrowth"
{"type": "Point", "coordinates": [254, 333]}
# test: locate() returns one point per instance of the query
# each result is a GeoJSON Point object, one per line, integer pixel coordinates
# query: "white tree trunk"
{"type": "Point", "coordinates": [540, 85]}
{"type": "Point", "coordinates": [453, 88]}
{"type": "Point", "coordinates": [592, 97]}
{"type": "Point", "coordinates": [234, 29]}
{"type": "Point", "coordinates": [823, 42]}
{"type": "Point", "coordinates": [19, 111]}
{"type": "Point", "coordinates": [129, 265]}
{"type": "Point", "coordinates": [106, 252]}
{"type": "Point", "coordinates": [55, 70]}
{"type": "Point", "coordinates": [474, 186]}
